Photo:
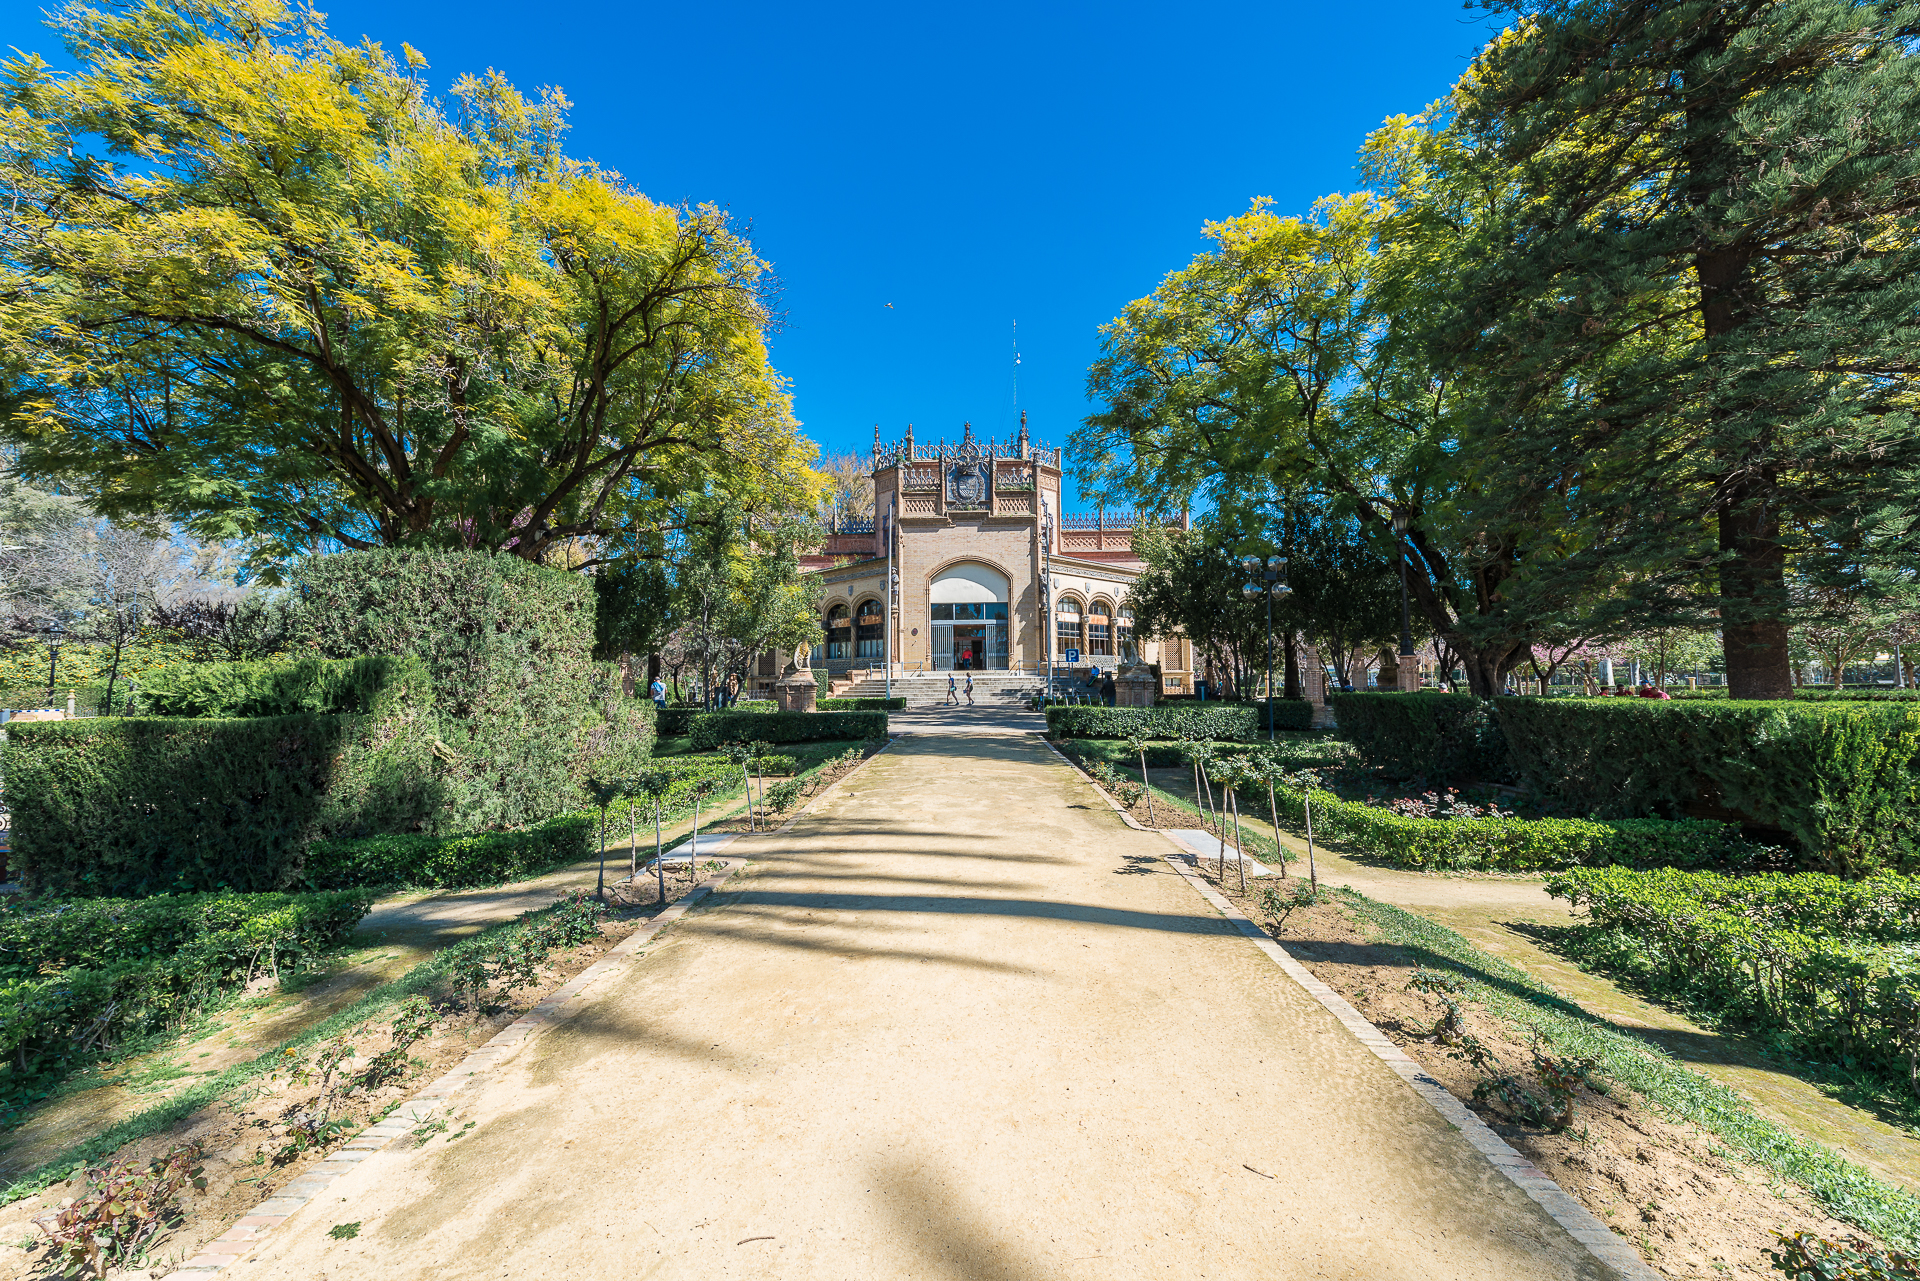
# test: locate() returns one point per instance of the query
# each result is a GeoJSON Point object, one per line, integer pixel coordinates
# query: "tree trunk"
{"type": "Point", "coordinates": [1289, 648]}
{"type": "Point", "coordinates": [653, 670]}
{"type": "Point", "coordinates": [1753, 592]}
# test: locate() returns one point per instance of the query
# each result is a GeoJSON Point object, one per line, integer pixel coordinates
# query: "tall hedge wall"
{"type": "Point", "coordinates": [138, 805]}
{"type": "Point", "coordinates": [126, 806]}
{"type": "Point", "coordinates": [1439, 737]}
{"type": "Point", "coordinates": [508, 645]}
{"type": "Point", "coordinates": [1840, 777]}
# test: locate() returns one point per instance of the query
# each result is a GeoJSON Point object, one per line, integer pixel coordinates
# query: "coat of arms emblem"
{"type": "Point", "coordinates": [967, 485]}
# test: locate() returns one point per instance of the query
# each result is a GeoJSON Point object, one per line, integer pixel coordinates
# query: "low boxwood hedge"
{"type": "Point", "coordinates": [861, 704]}
{"type": "Point", "coordinates": [710, 729]}
{"type": "Point", "coordinates": [1292, 753]}
{"type": "Point", "coordinates": [1216, 721]}
{"type": "Point", "coordinates": [1840, 777]}
{"type": "Point", "coordinates": [1513, 844]}
{"type": "Point", "coordinates": [482, 858]}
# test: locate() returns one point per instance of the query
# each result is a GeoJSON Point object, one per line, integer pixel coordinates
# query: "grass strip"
{"type": "Point", "coordinates": [191, 1100]}
{"type": "Point", "coordinates": [1843, 1189]}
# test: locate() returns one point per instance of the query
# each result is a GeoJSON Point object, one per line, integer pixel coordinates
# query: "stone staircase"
{"type": "Point", "coordinates": [929, 689]}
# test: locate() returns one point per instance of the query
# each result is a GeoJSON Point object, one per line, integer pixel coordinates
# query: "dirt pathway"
{"type": "Point", "coordinates": [398, 934]}
{"type": "Point", "coordinates": [1503, 914]}
{"type": "Point", "coordinates": [959, 1023]}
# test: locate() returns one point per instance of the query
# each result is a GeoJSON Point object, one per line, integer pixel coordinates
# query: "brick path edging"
{"type": "Point", "coordinates": [1601, 1241]}
{"type": "Point", "coordinates": [438, 1096]}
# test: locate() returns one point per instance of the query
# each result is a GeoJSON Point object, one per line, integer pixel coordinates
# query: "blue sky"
{"type": "Point", "coordinates": [971, 165]}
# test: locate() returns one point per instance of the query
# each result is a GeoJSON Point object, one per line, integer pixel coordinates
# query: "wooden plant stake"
{"type": "Point", "coordinates": [1273, 808]}
{"type": "Point", "coordinates": [1313, 877]}
{"type": "Point", "coordinates": [1234, 802]}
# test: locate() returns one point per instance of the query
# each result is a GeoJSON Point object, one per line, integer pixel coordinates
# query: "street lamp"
{"type": "Point", "coordinates": [1264, 579]}
{"type": "Point", "coordinates": [1400, 521]}
{"type": "Point", "coordinates": [53, 634]}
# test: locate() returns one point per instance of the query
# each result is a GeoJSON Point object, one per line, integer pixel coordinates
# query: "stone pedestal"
{"type": "Point", "coordinates": [797, 690]}
{"type": "Point", "coordinates": [1134, 687]}
{"type": "Point", "coordinates": [1409, 677]}
{"type": "Point", "coordinates": [1313, 676]}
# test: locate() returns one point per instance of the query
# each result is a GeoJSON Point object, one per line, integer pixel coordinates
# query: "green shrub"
{"type": "Point", "coordinates": [119, 806]}
{"type": "Point", "coordinates": [1826, 991]}
{"type": "Point", "coordinates": [616, 733]}
{"type": "Point", "coordinates": [482, 858]}
{"type": "Point", "coordinates": [134, 967]}
{"type": "Point", "coordinates": [1839, 777]}
{"type": "Point", "coordinates": [1292, 754]}
{"type": "Point", "coordinates": [1287, 714]}
{"type": "Point", "coordinates": [675, 722]}
{"type": "Point", "coordinates": [1228, 721]}
{"type": "Point", "coordinates": [124, 806]}
{"type": "Point", "coordinates": [1510, 844]}
{"type": "Point", "coordinates": [265, 688]}
{"type": "Point", "coordinates": [508, 646]}
{"type": "Point", "coordinates": [710, 729]}
{"type": "Point", "coordinates": [1811, 695]}
{"type": "Point", "coordinates": [1439, 737]}
{"type": "Point", "coordinates": [860, 704]}
{"type": "Point", "coordinates": [824, 680]}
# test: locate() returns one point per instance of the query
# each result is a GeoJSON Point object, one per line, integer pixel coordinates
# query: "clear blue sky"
{"type": "Point", "coordinates": [970, 164]}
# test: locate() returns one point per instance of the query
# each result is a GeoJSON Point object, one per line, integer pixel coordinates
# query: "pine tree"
{"type": "Point", "coordinates": [1713, 238]}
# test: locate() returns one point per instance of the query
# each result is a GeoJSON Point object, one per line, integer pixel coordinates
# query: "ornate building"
{"type": "Point", "coordinates": [986, 570]}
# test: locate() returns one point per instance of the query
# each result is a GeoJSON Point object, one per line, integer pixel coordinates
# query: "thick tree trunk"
{"type": "Point", "coordinates": [1289, 648]}
{"type": "Point", "coordinates": [1753, 592]}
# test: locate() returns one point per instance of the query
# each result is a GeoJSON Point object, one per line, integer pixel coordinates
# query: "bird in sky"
{"type": "Point", "coordinates": [889, 306]}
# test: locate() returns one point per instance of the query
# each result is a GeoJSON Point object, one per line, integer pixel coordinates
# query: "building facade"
{"type": "Point", "coordinates": [969, 562]}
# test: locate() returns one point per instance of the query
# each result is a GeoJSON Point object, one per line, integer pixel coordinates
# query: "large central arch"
{"type": "Point", "coordinates": [967, 610]}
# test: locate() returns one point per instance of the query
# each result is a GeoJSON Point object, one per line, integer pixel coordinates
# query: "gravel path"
{"type": "Point", "coordinates": [960, 1022]}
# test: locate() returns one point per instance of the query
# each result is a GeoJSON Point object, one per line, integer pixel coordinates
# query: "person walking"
{"type": "Point", "coordinates": [953, 690]}
{"type": "Point", "coordinates": [658, 692]}
{"type": "Point", "coordinates": [969, 687]}
{"type": "Point", "coordinates": [1106, 689]}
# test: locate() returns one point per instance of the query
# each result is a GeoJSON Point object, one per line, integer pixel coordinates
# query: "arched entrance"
{"type": "Point", "coordinates": [967, 607]}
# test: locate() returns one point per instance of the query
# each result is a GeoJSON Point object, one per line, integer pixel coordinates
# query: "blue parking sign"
{"type": "Point", "coordinates": [1073, 656]}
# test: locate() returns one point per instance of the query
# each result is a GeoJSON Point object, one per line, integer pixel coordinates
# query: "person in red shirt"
{"type": "Point", "coordinates": [1647, 690]}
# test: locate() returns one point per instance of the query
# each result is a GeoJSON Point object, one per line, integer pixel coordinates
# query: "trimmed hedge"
{"type": "Point", "coordinates": [322, 686]}
{"type": "Point", "coordinates": [1292, 754]}
{"type": "Point", "coordinates": [126, 968]}
{"type": "Point", "coordinates": [124, 806]}
{"type": "Point", "coordinates": [1287, 714]}
{"type": "Point", "coordinates": [1213, 721]}
{"type": "Point", "coordinates": [710, 729]}
{"type": "Point", "coordinates": [483, 858]}
{"type": "Point", "coordinates": [1839, 776]}
{"type": "Point", "coordinates": [1510, 844]}
{"type": "Point", "coordinates": [1833, 974]}
{"type": "Point", "coordinates": [861, 705]}
{"type": "Point", "coordinates": [1439, 737]}
{"type": "Point", "coordinates": [508, 645]}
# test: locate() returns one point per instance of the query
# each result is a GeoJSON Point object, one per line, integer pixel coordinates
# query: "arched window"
{"type": "Point", "coordinates": [1069, 625]}
{"type": "Point", "coordinates": [1100, 628]}
{"type": "Point", "coordinates": [839, 633]}
{"type": "Point", "coordinates": [870, 631]}
{"type": "Point", "coordinates": [1123, 628]}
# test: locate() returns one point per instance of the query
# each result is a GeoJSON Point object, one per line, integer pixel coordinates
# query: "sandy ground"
{"type": "Point", "coordinates": [959, 1023]}
{"type": "Point", "coordinates": [1513, 918]}
{"type": "Point", "coordinates": [398, 934]}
